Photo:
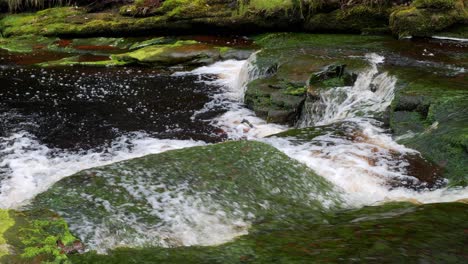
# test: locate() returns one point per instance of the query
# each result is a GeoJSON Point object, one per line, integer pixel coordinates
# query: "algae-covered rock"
{"type": "Point", "coordinates": [35, 236]}
{"type": "Point", "coordinates": [83, 61]}
{"type": "Point", "coordinates": [26, 43]}
{"type": "Point", "coordinates": [395, 232]}
{"type": "Point", "coordinates": [181, 52]}
{"type": "Point", "coordinates": [429, 114]}
{"type": "Point", "coordinates": [196, 196]}
{"type": "Point", "coordinates": [426, 17]}
{"type": "Point", "coordinates": [357, 19]}
{"type": "Point", "coordinates": [285, 64]}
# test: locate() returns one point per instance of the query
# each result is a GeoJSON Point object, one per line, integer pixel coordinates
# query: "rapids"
{"type": "Point", "coordinates": [362, 164]}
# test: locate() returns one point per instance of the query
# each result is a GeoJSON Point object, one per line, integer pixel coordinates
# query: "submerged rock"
{"type": "Point", "coordinates": [195, 196]}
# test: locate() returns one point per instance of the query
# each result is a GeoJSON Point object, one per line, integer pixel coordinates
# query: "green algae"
{"type": "Point", "coordinates": [181, 52]}
{"type": "Point", "coordinates": [25, 43]}
{"type": "Point", "coordinates": [77, 61]}
{"type": "Point", "coordinates": [32, 236]}
{"type": "Point", "coordinates": [427, 17]}
{"type": "Point", "coordinates": [357, 19]}
{"type": "Point", "coordinates": [429, 111]}
{"type": "Point", "coordinates": [6, 222]}
{"type": "Point", "coordinates": [435, 4]}
{"type": "Point", "coordinates": [233, 177]}
{"type": "Point", "coordinates": [268, 6]}
{"type": "Point", "coordinates": [389, 233]}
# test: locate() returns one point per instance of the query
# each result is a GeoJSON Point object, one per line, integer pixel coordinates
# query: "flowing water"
{"type": "Point", "coordinates": [70, 120]}
{"type": "Point", "coordinates": [363, 163]}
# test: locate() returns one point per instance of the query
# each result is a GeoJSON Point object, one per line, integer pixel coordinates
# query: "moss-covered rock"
{"type": "Point", "coordinates": [285, 65]}
{"type": "Point", "coordinates": [181, 197]}
{"type": "Point", "coordinates": [181, 52]}
{"type": "Point", "coordinates": [26, 43]}
{"type": "Point", "coordinates": [430, 114]}
{"type": "Point", "coordinates": [35, 236]}
{"type": "Point", "coordinates": [426, 17]}
{"type": "Point", "coordinates": [396, 232]}
{"type": "Point", "coordinates": [357, 19]}
{"type": "Point", "coordinates": [90, 61]}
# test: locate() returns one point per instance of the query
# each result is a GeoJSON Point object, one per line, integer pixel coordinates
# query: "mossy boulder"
{"type": "Point", "coordinates": [394, 232]}
{"type": "Point", "coordinates": [356, 19]}
{"type": "Point", "coordinates": [427, 17]}
{"type": "Point", "coordinates": [35, 237]}
{"type": "Point", "coordinates": [179, 53]}
{"type": "Point", "coordinates": [285, 64]}
{"type": "Point", "coordinates": [429, 114]}
{"type": "Point", "coordinates": [183, 197]}
{"type": "Point", "coordinates": [435, 4]}
{"type": "Point", "coordinates": [26, 43]}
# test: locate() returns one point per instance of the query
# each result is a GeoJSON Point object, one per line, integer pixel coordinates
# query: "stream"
{"type": "Point", "coordinates": [55, 122]}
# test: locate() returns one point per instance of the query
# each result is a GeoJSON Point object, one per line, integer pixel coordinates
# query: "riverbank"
{"type": "Point", "coordinates": [420, 18]}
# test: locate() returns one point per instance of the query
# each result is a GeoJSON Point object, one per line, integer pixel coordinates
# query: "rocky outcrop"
{"type": "Point", "coordinates": [424, 18]}
{"type": "Point", "coordinates": [429, 114]}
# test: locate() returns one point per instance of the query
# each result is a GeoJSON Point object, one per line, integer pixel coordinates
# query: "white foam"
{"type": "Point", "coordinates": [33, 167]}
{"type": "Point", "coordinates": [184, 220]}
{"type": "Point", "coordinates": [450, 38]}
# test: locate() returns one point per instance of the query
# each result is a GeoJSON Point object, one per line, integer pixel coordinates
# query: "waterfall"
{"type": "Point", "coordinates": [371, 94]}
{"type": "Point", "coordinates": [360, 160]}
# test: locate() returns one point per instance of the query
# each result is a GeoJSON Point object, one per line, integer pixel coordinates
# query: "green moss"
{"type": "Point", "coordinates": [26, 43]}
{"type": "Point", "coordinates": [425, 22]}
{"type": "Point", "coordinates": [395, 232]}
{"type": "Point", "coordinates": [257, 6]}
{"type": "Point", "coordinates": [232, 178]}
{"type": "Point", "coordinates": [433, 109]}
{"type": "Point", "coordinates": [182, 52]}
{"type": "Point", "coordinates": [294, 90]}
{"type": "Point", "coordinates": [435, 4]}
{"type": "Point", "coordinates": [32, 236]}
{"type": "Point", "coordinates": [151, 42]}
{"type": "Point", "coordinates": [45, 22]}
{"type": "Point", "coordinates": [77, 61]}
{"type": "Point", "coordinates": [357, 19]}
{"type": "Point", "coordinates": [6, 222]}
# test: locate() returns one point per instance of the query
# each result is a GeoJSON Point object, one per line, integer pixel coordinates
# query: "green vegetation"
{"type": "Point", "coordinates": [232, 177]}
{"type": "Point", "coordinates": [32, 236]}
{"type": "Point", "coordinates": [19, 5]}
{"type": "Point", "coordinates": [425, 233]}
{"type": "Point", "coordinates": [435, 4]}
{"type": "Point", "coordinates": [424, 18]}
{"type": "Point", "coordinates": [433, 108]}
